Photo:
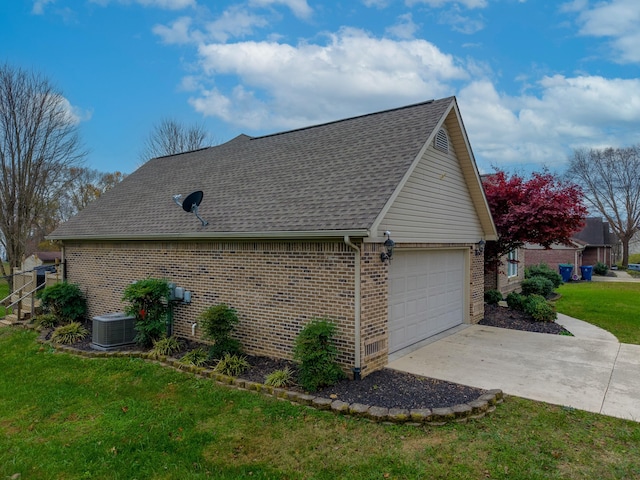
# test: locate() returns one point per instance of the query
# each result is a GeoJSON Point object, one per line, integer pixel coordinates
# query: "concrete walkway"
{"type": "Point", "coordinates": [621, 276]}
{"type": "Point", "coordinates": [591, 371]}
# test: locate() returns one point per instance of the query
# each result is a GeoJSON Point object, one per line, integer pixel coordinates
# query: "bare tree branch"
{"type": "Point", "coordinates": [38, 143]}
{"type": "Point", "coordinates": [170, 137]}
{"type": "Point", "coordinates": [610, 179]}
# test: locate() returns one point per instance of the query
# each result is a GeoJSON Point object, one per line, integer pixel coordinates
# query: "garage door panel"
{"type": "Point", "coordinates": [426, 295]}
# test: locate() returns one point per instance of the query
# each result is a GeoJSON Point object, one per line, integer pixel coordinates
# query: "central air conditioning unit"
{"type": "Point", "coordinates": [112, 331]}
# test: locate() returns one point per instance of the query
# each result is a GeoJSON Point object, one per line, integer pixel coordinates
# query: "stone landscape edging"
{"type": "Point", "coordinates": [461, 413]}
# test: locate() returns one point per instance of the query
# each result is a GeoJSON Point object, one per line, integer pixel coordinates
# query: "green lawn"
{"type": "Point", "coordinates": [612, 306]}
{"type": "Point", "coordinates": [70, 417]}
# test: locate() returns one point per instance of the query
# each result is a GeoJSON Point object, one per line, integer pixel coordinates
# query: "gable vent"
{"type": "Point", "coordinates": [441, 142]}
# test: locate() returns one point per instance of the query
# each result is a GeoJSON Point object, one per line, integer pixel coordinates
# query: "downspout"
{"type": "Point", "coordinates": [358, 297]}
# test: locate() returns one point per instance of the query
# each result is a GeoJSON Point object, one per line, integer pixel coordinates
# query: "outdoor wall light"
{"type": "Point", "coordinates": [388, 246]}
{"type": "Point", "coordinates": [480, 247]}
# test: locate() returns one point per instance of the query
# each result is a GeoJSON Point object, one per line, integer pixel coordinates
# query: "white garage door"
{"type": "Point", "coordinates": [426, 295]}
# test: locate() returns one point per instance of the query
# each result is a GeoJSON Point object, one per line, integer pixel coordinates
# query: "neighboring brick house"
{"type": "Point", "coordinates": [594, 243]}
{"type": "Point", "coordinates": [296, 228]}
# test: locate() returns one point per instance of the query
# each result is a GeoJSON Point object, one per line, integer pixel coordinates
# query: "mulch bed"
{"type": "Point", "coordinates": [389, 388]}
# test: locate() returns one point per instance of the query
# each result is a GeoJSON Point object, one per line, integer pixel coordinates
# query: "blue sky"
{"type": "Point", "coordinates": [534, 78]}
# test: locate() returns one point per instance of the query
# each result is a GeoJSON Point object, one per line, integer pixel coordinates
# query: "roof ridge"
{"type": "Point", "coordinates": [301, 129]}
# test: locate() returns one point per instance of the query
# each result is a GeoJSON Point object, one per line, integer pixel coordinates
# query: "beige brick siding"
{"type": "Point", "coordinates": [498, 280]}
{"type": "Point", "coordinates": [276, 288]}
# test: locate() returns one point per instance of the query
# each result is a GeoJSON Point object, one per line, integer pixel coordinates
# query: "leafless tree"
{"type": "Point", "coordinates": [610, 179]}
{"type": "Point", "coordinates": [38, 143]}
{"type": "Point", "coordinates": [170, 137]}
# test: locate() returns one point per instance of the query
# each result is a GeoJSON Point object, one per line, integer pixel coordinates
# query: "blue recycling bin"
{"type": "Point", "coordinates": [565, 271]}
{"type": "Point", "coordinates": [587, 271]}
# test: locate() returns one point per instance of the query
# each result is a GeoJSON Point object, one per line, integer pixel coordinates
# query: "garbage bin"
{"type": "Point", "coordinates": [565, 271]}
{"type": "Point", "coordinates": [587, 271]}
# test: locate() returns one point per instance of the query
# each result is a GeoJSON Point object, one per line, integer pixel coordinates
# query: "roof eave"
{"type": "Point", "coordinates": [273, 235]}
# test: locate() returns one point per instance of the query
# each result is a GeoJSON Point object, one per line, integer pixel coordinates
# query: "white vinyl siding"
{"type": "Point", "coordinates": [435, 204]}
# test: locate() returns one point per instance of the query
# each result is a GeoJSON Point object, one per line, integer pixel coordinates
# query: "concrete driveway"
{"type": "Point", "coordinates": [591, 371]}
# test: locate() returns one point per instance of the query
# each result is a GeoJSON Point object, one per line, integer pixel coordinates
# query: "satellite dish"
{"type": "Point", "coordinates": [191, 204]}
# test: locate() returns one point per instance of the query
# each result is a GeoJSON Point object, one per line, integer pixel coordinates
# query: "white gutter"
{"type": "Point", "coordinates": [281, 234]}
{"type": "Point", "coordinates": [357, 307]}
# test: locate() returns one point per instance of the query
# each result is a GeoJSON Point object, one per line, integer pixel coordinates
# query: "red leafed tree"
{"type": "Point", "coordinates": [542, 210]}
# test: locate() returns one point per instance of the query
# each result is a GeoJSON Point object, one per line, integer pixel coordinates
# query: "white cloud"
{"type": "Point", "coordinates": [39, 5]}
{"type": "Point", "coordinates": [376, 3]}
{"type": "Point", "coordinates": [179, 32]}
{"type": "Point", "coordinates": [440, 3]}
{"type": "Point", "coordinates": [543, 129]}
{"type": "Point", "coordinates": [404, 28]}
{"type": "Point", "coordinates": [308, 83]}
{"type": "Point", "coordinates": [163, 4]}
{"type": "Point", "coordinates": [234, 22]}
{"type": "Point", "coordinates": [300, 8]}
{"type": "Point", "coordinates": [462, 23]}
{"type": "Point", "coordinates": [617, 19]}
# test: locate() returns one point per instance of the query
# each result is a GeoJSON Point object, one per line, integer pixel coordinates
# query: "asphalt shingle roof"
{"type": "Point", "coordinates": [330, 177]}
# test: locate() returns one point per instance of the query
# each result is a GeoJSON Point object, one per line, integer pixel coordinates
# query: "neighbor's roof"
{"type": "Point", "coordinates": [331, 178]}
{"type": "Point", "coordinates": [596, 232]}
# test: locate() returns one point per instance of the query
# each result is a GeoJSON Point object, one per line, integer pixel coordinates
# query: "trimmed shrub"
{"type": "Point", "coordinates": [64, 300]}
{"type": "Point", "coordinates": [600, 269]}
{"type": "Point", "coordinates": [492, 297]}
{"type": "Point", "coordinates": [149, 304]}
{"type": "Point", "coordinates": [70, 333]}
{"type": "Point", "coordinates": [217, 323]}
{"type": "Point", "coordinates": [316, 354]}
{"type": "Point", "coordinates": [540, 309]}
{"type": "Point", "coordinates": [543, 270]}
{"type": "Point", "coordinates": [516, 301]}
{"type": "Point", "coordinates": [232, 365]}
{"type": "Point", "coordinates": [537, 286]}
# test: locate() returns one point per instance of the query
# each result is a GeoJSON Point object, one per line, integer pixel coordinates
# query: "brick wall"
{"type": "Point", "coordinates": [552, 257]}
{"type": "Point", "coordinates": [276, 288]}
{"type": "Point", "coordinates": [499, 280]}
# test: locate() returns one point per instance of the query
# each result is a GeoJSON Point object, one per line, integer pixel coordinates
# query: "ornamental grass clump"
{"type": "Point", "coordinates": [280, 378]}
{"type": "Point", "coordinates": [316, 353]}
{"type": "Point", "coordinates": [232, 365]}
{"type": "Point", "coordinates": [166, 346]}
{"type": "Point", "coordinates": [197, 357]}
{"type": "Point", "coordinates": [70, 333]}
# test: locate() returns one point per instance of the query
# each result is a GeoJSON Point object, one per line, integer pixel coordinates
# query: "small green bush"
{"type": "Point", "coordinates": [46, 320]}
{"type": "Point", "coordinates": [316, 354]}
{"type": "Point", "coordinates": [166, 346]}
{"type": "Point", "coordinates": [232, 365]}
{"type": "Point", "coordinates": [516, 301]}
{"type": "Point", "coordinates": [217, 323]}
{"type": "Point", "coordinates": [196, 357]}
{"type": "Point", "coordinates": [149, 304]}
{"type": "Point", "coordinates": [280, 378]}
{"type": "Point", "coordinates": [70, 333]}
{"type": "Point", "coordinates": [540, 309]}
{"type": "Point", "coordinates": [537, 286]}
{"type": "Point", "coordinates": [543, 270]}
{"type": "Point", "coordinates": [600, 269]}
{"type": "Point", "coordinates": [492, 297]}
{"type": "Point", "coordinates": [65, 300]}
